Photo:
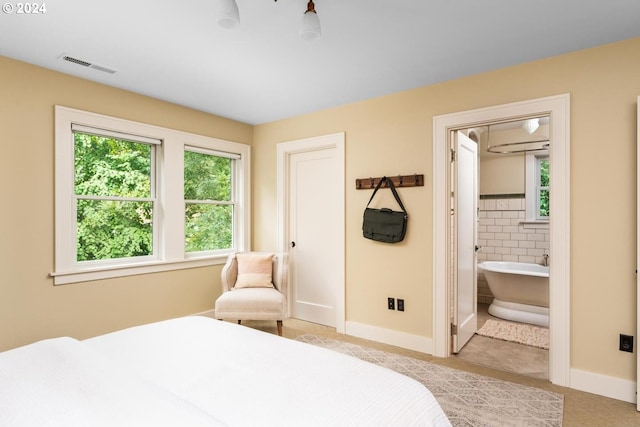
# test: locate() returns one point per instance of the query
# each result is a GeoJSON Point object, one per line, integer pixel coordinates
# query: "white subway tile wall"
{"type": "Point", "coordinates": [504, 236]}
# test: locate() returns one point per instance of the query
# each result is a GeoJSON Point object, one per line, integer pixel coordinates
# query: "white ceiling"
{"type": "Point", "coordinates": [262, 71]}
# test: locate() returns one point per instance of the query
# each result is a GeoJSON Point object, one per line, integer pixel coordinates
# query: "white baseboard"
{"type": "Point", "coordinates": [615, 388]}
{"type": "Point", "coordinates": [387, 336]}
{"type": "Point", "coordinates": [589, 382]}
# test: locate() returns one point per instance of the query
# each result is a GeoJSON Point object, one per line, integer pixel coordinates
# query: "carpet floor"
{"type": "Point", "coordinates": [581, 409]}
{"type": "Point", "coordinates": [468, 399]}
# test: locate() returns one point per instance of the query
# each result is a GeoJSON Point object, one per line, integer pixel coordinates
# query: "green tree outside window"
{"type": "Point", "coordinates": [208, 201]}
{"type": "Point", "coordinates": [543, 195]}
{"type": "Point", "coordinates": [114, 200]}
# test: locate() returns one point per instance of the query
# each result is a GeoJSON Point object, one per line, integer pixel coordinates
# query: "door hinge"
{"type": "Point", "coordinates": [454, 329]}
{"type": "Point", "coordinates": [453, 155]}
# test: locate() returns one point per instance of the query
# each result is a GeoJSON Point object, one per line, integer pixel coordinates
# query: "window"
{"type": "Point", "coordinates": [114, 182]}
{"type": "Point", "coordinates": [209, 203]}
{"type": "Point", "coordinates": [537, 186]}
{"type": "Point", "coordinates": [134, 198]}
{"type": "Point", "coordinates": [542, 187]}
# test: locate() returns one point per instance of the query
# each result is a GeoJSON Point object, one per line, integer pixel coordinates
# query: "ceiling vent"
{"type": "Point", "coordinates": [86, 64]}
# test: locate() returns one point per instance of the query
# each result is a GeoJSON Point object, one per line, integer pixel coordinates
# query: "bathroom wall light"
{"type": "Point", "coordinates": [228, 17]}
{"type": "Point", "coordinates": [531, 125]}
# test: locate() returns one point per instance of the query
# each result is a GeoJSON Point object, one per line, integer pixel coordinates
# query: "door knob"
{"type": "Point", "coordinates": [293, 244]}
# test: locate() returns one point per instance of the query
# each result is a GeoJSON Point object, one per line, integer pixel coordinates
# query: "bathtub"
{"type": "Point", "coordinates": [520, 290]}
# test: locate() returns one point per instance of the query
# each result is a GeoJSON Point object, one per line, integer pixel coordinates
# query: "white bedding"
{"type": "Point", "coordinates": [62, 383]}
{"type": "Point", "coordinates": [196, 371]}
{"type": "Point", "coordinates": [250, 378]}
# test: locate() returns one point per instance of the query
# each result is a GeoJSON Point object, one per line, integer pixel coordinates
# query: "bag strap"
{"type": "Point", "coordinates": [392, 187]}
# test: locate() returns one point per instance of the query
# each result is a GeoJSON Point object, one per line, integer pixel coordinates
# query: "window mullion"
{"type": "Point", "coordinates": [115, 198]}
{"type": "Point", "coordinates": [209, 202]}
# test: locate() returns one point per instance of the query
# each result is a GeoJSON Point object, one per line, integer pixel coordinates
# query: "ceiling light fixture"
{"type": "Point", "coordinates": [531, 125]}
{"type": "Point", "coordinates": [228, 17]}
{"type": "Point", "coordinates": [310, 27]}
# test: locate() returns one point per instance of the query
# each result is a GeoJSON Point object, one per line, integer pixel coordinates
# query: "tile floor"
{"type": "Point", "coordinates": [503, 355]}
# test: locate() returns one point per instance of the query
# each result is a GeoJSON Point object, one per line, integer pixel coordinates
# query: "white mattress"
{"type": "Point", "coordinates": [245, 377]}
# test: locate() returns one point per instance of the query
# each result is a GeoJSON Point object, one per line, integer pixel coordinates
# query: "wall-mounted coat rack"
{"type": "Point", "coordinates": [414, 180]}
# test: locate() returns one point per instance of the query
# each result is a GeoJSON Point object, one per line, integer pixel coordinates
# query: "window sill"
{"type": "Point", "coordinates": [109, 272]}
{"type": "Point", "coordinates": [535, 224]}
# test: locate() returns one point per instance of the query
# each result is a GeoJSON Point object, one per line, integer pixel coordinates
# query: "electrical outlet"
{"type": "Point", "coordinates": [400, 304]}
{"type": "Point", "coordinates": [391, 303]}
{"type": "Point", "coordinates": [626, 343]}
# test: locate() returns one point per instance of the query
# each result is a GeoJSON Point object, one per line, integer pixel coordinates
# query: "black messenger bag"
{"type": "Point", "coordinates": [385, 225]}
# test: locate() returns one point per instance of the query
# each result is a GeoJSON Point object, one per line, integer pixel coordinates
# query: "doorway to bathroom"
{"type": "Point", "coordinates": [446, 296]}
{"type": "Point", "coordinates": [500, 222]}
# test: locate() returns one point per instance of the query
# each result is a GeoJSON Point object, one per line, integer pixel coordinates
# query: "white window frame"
{"type": "Point", "coordinates": [169, 218]}
{"type": "Point", "coordinates": [154, 143]}
{"type": "Point", "coordinates": [237, 228]}
{"type": "Point", "coordinates": [532, 184]}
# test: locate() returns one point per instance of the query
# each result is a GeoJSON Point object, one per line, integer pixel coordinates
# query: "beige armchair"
{"type": "Point", "coordinates": [254, 287]}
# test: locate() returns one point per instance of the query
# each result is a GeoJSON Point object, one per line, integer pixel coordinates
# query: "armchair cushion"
{"type": "Point", "coordinates": [251, 303]}
{"type": "Point", "coordinates": [254, 270]}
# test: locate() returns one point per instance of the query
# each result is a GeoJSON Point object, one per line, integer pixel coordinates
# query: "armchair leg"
{"type": "Point", "coordinates": [279, 327]}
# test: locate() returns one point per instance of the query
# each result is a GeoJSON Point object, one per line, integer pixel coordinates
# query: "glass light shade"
{"type": "Point", "coordinates": [531, 125]}
{"type": "Point", "coordinates": [228, 15]}
{"type": "Point", "coordinates": [310, 27]}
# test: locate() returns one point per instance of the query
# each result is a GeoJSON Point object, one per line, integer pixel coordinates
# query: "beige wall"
{"type": "Point", "coordinates": [502, 174]}
{"type": "Point", "coordinates": [31, 307]}
{"type": "Point", "coordinates": [393, 135]}
{"type": "Point", "coordinates": [387, 135]}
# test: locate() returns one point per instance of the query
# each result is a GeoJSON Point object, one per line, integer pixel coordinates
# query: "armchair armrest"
{"type": "Point", "coordinates": [229, 273]}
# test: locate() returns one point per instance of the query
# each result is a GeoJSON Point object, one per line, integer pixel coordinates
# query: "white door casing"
{"type": "Point", "coordinates": [638, 254]}
{"type": "Point", "coordinates": [465, 213]}
{"type": "Point", "coordinates": [557, 107]}
{"type": "Point", "coordinates": [311, 206]}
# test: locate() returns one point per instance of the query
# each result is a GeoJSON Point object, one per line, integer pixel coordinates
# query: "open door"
{"type": "Point", "coordinates": [464, 167]}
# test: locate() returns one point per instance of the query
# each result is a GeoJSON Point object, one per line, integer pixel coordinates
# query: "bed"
{"type": "Point", "coordinates": [195, 371]}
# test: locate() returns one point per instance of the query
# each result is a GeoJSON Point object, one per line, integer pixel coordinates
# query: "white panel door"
{"type": "Point", "coordinates": [315, 233]}
{"type": "Point", "coordinates": [465, 198]}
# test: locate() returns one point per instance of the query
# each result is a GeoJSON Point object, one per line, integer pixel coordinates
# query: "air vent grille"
{"type": "Point", "coordinates": [87, 64]}
{"type": "Point", "coordinates": [76, 61]}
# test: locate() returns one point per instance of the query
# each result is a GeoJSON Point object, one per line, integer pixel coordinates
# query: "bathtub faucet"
{"type": "Point", "coordinates": [545, 260]}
